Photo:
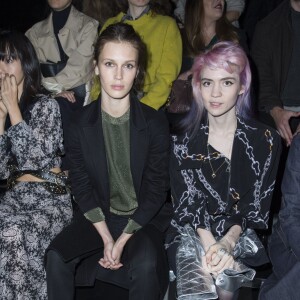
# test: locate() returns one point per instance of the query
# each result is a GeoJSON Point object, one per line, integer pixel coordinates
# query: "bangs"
{"type": "Point", "coordinates": [7, 51]}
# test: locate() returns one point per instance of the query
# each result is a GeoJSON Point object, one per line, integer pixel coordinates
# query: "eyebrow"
{"type": "Point", "coordinates": [127, 61]}
{"type": "Point", "coordinates": [225, 78]}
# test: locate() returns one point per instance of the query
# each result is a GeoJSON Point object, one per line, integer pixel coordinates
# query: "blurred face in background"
{"type": "Point", "coordinates": [59, 4]}
{"type": "Point", "coordinates": [213, 9]}
{"type": "Point", "coordinates": [138, 3]}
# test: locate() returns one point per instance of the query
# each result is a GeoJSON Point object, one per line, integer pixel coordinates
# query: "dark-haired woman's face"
{"type": "Point", "coordinates": [59, 4]}
{"type": "Point", "coordinates": [13, 67]}
{"type": "Point", "coordinates": [117, 68]}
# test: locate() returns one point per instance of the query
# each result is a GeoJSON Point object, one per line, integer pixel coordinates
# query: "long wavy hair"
{"type": "Point", "coordinates": [230, 57]}
{"type": "Point", "coordinates": [194, 18]}
{"type": "Point", "coordinates": [16, 46]}
{"type": "Point", "coordinates": [121, 32]}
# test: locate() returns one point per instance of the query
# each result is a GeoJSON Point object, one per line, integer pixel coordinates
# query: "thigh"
{"type": "Point", "coordinates": [77, 239]}
{"type": "Point", "coordinates": [281, 255]}
{"type": "Point", "coordinates": [146, 252]}
{"type": "Point", "coordinates": [146, 245]}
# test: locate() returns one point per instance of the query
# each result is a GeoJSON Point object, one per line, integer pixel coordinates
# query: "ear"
{"type": "Point", "coordinates": [242, 90]}
{"type": "Point", "coordinates": [97, 70]}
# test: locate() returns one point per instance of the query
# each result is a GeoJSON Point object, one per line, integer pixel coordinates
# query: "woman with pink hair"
{"type": "Point", "coordinates": [223, 170]}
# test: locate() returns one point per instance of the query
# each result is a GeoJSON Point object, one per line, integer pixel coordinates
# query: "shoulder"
{"type": "Point", "coordinates": [161, 20]}
{"type": "Point", "coordinates": [38, 28]}
{"type": "Point", "coordinates": [82, 115]}
{"type": "Point", "coordinates": [45, 101]}
{"type": "Point", "coordinates": [154, 117]}
{"type": "Point", "coordinates": [275, 18]}
{"type": "Point", "coordinates": [84, 20]}
{"type": "Point", "coordinates": [113, 20]}
{"type": "Point", "coordinates": [44, 106]}
{"type": "Point", "coordinates": [259, 134]}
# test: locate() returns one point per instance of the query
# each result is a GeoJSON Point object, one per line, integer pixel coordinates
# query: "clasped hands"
{"type": "Point", "coordinates": [218, 258]}
{"type": "Point", "coordinates": [113, 251]}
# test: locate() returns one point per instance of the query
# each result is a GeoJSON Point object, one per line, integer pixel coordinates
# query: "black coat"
{"type": "Point", "coordinates": [149, 161]}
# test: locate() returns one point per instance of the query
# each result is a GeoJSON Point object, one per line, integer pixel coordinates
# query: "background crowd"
{"type": "Point", "coordinates": [185, 41]}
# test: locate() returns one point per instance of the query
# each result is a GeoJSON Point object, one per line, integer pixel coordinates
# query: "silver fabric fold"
{"type": "Point", "coordinates": [247, 245]}
{"type": "Point", "coordinates": [194, 282]}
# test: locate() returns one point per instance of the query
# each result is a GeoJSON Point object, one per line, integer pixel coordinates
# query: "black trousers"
{"type": "Point", "coordinates": [144, 274]}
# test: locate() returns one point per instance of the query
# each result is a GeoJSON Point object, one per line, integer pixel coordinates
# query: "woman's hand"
{"type": "Point", "coordinates": [3, 115]}
{"type": "Point", "coordinates": [9, 91]}
{"type": "Point", "coordinates": [107, 260]}
{"type": "Point", "coordinates": [69, 95]}
{"type": "Point", "coordinates": [9, 99]}
{"type": "Point", "coordinates": [222, 260]}
{"type": "Point", "coordinates": [3, 110]}
{"type": "Point", "coordinates": [218, 258]}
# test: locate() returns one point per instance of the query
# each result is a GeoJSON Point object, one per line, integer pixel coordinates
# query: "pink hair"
{"type": "Point", "coordinates": [232, 58]}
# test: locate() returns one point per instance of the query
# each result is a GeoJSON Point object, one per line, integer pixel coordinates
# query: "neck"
{"type": "Point", "coordinates": [295, 5]}
{"type": "Point", "coordinates": [209, 30]}
{"type": "Point", "coordinates": [136, 11]}
{"type": "Point", "coordinates": [66, 7]}
{"type": "Point", "coordinates": [223, 125]}
{"type": "Point", "coordinates": [115, 107]}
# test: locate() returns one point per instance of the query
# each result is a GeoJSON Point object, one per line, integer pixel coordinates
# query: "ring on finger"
{"type": "Point", "coordinates": [222, 252]}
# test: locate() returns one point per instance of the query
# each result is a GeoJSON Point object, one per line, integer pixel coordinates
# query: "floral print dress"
{"type": "Point", "coordinates": [30, 216]}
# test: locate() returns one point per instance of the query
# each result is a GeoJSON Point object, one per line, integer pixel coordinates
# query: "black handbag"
{"type": "Point", "coordinates": [51, 69]}
{"type": "Point", "coordinates": [181, 96]}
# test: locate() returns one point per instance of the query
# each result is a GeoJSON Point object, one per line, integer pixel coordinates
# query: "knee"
{"type": "Point", "coordinates": [144, 258]}
{"type": "Point", "coordinates": [52, 259]}
{"type": "Point", "coordinates": [54, 262]}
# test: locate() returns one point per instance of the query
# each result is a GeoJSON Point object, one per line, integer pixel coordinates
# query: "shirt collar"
{"type": "Point", "coordinates": [128, 16]}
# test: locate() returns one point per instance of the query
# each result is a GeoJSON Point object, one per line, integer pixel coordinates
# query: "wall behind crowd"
{"type": "Point", "coordinates": [20, 14]}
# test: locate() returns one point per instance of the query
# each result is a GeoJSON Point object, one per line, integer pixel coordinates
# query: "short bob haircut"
{"type": "Point", "coordinates": [124, 33]}
{"type": "Point", "coordinates": [230, 57]}
{"type": "Point", "coordinates": [16, 46]}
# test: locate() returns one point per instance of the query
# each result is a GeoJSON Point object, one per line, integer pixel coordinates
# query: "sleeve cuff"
{"type": "Point", "coordinates": [236, 220]}
{"type": "Point", "coordinates": [95, 215]}
{"type": "Point", "coordinates": [132, 227]}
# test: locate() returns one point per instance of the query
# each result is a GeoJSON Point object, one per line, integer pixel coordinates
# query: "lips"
{"type": "Point", "coordinates": [215, 104]}
{"type": "Point", "coordinates": [218, 5]}
{"type": "Point", "coordinates": [117, 87]}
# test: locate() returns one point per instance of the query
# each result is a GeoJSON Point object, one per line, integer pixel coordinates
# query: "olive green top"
{"type": "Point", "coordinates": [123, 199]}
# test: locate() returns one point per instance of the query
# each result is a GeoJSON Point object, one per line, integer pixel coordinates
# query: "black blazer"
{"type": "Point", "coordinates": [149, 161]}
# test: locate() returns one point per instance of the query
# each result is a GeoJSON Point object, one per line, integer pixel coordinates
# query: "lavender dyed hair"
{"type": "Point", "coordinates": [230, 57]}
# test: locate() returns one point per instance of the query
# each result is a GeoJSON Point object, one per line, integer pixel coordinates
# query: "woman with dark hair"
{"type": "Point", "coordinates": [118, 150]}
{"type": "Point", "coordinates": [162, 38]}
{"type": "Point", "coordinates": [36, 205]}
{"type": "Point", "coordinates": [64, 46]}
{"type": "Point", "coordinates": [206, 24]}
{"type": "Point", "coordinates": [223, 170]}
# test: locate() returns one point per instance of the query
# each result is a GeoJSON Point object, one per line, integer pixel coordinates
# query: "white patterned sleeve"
{"type": "Point", "coordinates": [4, 156]}
{"type": "Point", "coordinates": [36, 144]}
